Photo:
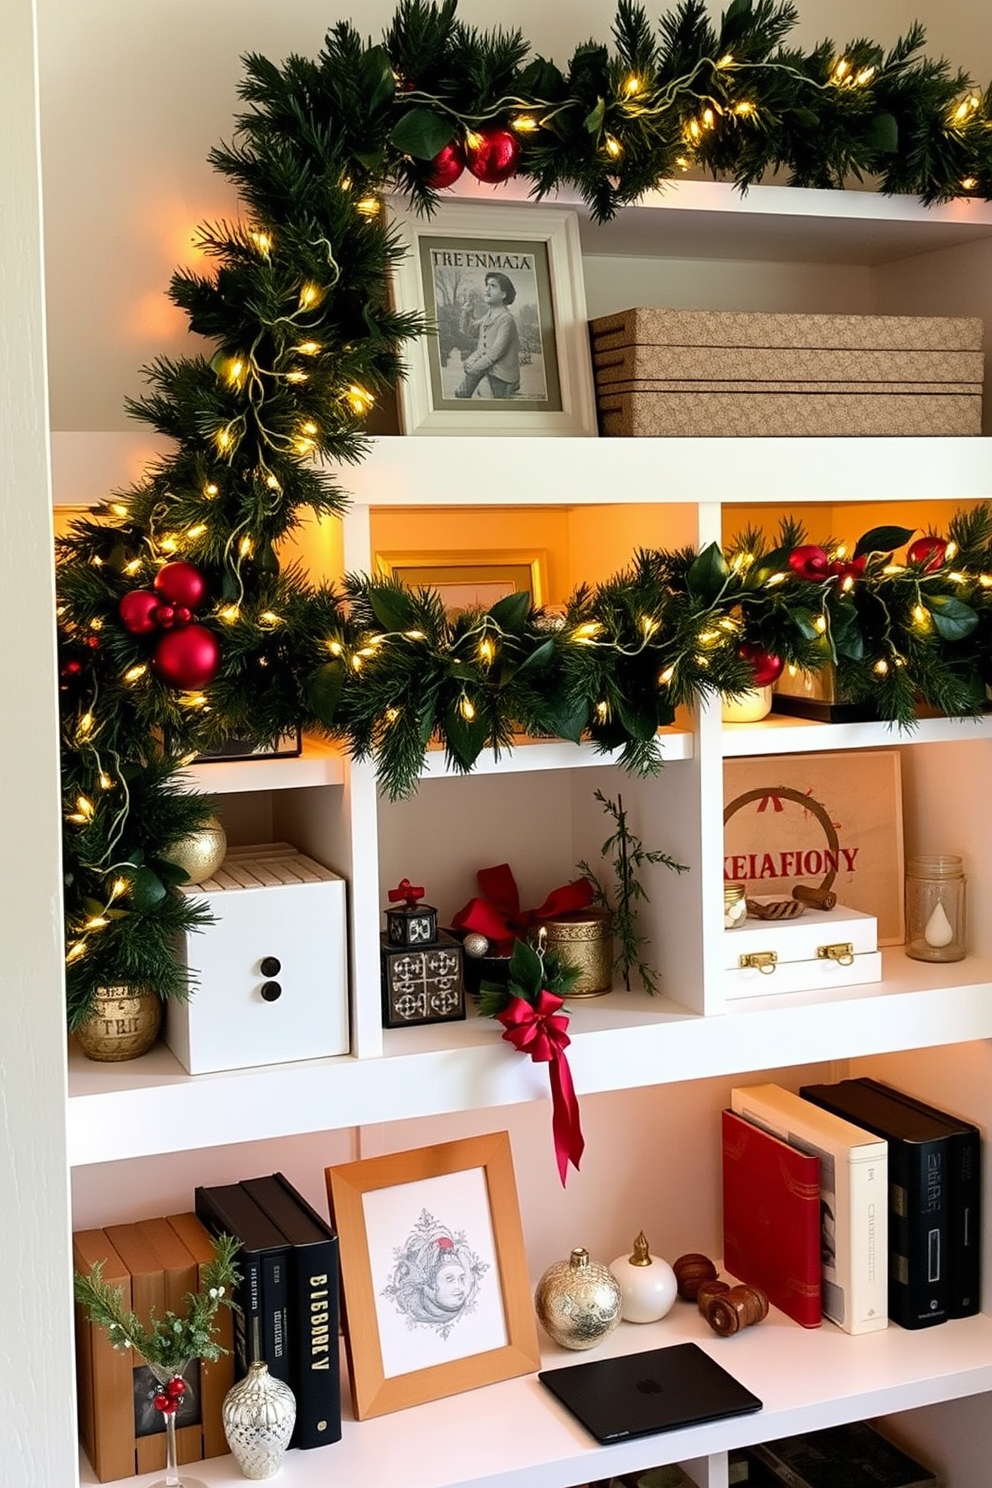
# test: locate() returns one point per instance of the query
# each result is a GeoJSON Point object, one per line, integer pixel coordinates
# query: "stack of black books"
{"type": "Point", "coordinates": [935, 1198]}
{"type": "Point", "coordinates": [854, 1455]}
{"type": "Point", "coordinates": [288, 1295]}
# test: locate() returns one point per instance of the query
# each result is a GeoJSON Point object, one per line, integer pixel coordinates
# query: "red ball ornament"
{"type": "Point", "coordinates": [766, 667]}
{"type": "Point", "coordinates": [810, 562]}
{"type": "Point", "coordinates": [182, 583]}
{"type": "Point", "coordinates": [492, 155]}
{"type": "Point", "coordinates": [187, 658]}
{"type": "Point", "coordinates": [929, 552]}
{"type": "Point", "coordinates": [446, 166]}
{"type": "Point", "coordinates": [138, 611]}
{"type": "Point", "coordinates": [176, 1388]}
{"type": "Point", "coordinates": [163, 1402]}
{"type": "Point", "coordinates": [165, 616]}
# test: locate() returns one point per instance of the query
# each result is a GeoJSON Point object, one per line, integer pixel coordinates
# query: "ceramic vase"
{"type": "Point", "coordinates": [259, 1413]}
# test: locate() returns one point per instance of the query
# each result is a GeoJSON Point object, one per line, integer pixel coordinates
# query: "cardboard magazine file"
{"type": "Point", "coordinates": [270, 975]}
{"type": "Point", "coordinates": [818, 950]}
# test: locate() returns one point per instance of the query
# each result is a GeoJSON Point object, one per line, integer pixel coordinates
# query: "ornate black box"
{"type": "Point", "coordinates": [422, 983]}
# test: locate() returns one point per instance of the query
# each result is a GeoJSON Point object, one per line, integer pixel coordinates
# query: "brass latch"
{"type": "Point", "coordinates": [763, 961]}
{"type": "Point", "coordinates": [842, 953]}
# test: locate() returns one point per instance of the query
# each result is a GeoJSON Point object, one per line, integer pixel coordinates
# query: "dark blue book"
{"type": "Point", "coordinates": [312, 1325]}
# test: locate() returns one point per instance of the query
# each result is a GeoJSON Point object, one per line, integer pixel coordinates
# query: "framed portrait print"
{"type": "Point", "coordinates": [436, 1291]}
{"type": "Point", "coordinates": [470, 580]}
{"type": "Point", "coordinates": [502, 287]}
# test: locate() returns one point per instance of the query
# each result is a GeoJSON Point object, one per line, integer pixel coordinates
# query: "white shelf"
{"type": "Point", "coordinates": [781, 734]}
{"type": "Point", "coordinates": [554, 754]}
{"type": "Point", "coordinates": [320, 763]}
{"type": "Point", "coordinates": [514, 1433]}
{"type": "Point", "coordinates": [627, 1039]}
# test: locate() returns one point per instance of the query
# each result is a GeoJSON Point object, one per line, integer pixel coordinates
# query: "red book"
{"type": "Point", "coordinates": [771, 1218]}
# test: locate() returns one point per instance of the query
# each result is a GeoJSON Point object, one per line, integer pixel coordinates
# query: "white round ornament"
{"type": "Point", "coordinates": [647, 1283]}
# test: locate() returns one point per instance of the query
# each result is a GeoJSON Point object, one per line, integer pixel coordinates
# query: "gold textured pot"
{"type": "Point", "coordinates": [584, 937]}
{"type": "Point", "coordinates": [124, 1023]}
{"type": "Point", "coordinates": [578, 1301]}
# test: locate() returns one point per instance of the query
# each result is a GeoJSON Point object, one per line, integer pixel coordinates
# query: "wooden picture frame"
{"type": "Point", "coordinates": [467, 580]}
{"type": "Point", "coordinates": [829, 820]}
{"type": "Point", "coordinates": [488, 368]}
{"type": "Point", "coordinates": [436, 1289]}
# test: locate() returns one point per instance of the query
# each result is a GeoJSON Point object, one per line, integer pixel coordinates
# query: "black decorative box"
{"type": "Point", "coordinates": [411, 925]}
{"type": "Point", "coordinates": [423, 983]}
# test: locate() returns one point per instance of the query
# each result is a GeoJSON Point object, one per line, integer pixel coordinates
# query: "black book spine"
{"type": "Point", "coordinates": [275, 1304]}
{"type": "Point", "coordinates": [919, 1292]}
{"type": "Point", "coordinates": [964, 1184]}
{"type": "Point", "coordinates": [248, 1293]}
{"type": "Point", "coordinates": [315, 1363]}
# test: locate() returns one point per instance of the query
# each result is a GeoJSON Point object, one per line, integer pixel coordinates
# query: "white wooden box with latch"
{"type": "Point", "coordinates": [819, 949]}
{"type": "Point", "coordinates": [271, 974]}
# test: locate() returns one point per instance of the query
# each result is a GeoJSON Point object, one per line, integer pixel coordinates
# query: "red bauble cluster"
{"type": "Point", "coordinates": [169, 1400]}
{"type": "Point", "coordinates": [446, 166]}
{"type": "Point", "coordinates": [814, 563]}
{"type": "Point", "coordinates": [766, 667]}
{"type": "Point", "coordinates": [492, 155]}
{"type": "Point", "coordinates": [187, 655]}
{"type": "Point", "coordinates": [928, 553]}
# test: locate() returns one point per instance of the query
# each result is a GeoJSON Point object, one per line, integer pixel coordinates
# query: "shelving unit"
{"type": "Point", "coordinates": [534, 808]}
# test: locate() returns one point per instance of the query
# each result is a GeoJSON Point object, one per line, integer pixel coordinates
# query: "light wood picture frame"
{"type": "Point", "coordinates": [508, 359]}
{"type": "Point", "coordinates": [470, 579]}
{"type": "Point", "coordinates": [434, 1276]}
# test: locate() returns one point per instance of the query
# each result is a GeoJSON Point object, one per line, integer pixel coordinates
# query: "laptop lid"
{"type": "Point", "coordinates": [640, 1394]}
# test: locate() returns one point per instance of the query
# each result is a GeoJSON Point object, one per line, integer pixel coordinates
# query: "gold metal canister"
{"type": "Point", "coordinates": [585, 938]}
{"type": "Point", "coordinates": [123, 1024]}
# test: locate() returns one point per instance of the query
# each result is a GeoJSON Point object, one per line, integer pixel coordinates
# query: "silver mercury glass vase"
{"type": "Point", "coordinates": [259, 1413]}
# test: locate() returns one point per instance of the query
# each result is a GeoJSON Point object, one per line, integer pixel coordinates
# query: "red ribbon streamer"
{"type": "Point", "coordinates": [539, 1030]}
{"type": "Point", "coordinates": [498, 915]}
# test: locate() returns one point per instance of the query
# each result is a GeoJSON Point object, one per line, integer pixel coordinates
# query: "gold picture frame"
{"type": "Point", "coordinates": [470, 580]}
{"type": "Point", "coordinates": [434, 1276]}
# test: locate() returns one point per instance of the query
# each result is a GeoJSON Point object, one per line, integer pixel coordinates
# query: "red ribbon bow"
{"type": "Point", "coordinates": [406, 891]}
{"type": "Point", "coordinates": [538, 1029]}
{"type": "Point", "coordinates": [498, 915]}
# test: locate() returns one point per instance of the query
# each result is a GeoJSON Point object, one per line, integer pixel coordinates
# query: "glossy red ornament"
{"type": "Point", "coordinates": [164, 1403]}
{"type": "Point", "coordinates": [187, 658]}
{"type": "Point", "coordinates": [176, 1388]}
{"type": "Point", "coordinates": [810, 562]}
{"type": "Point", "coordinates": [492, 155]}
{"type": "Point", "coordinates": [139, 611]}
{"type": "Point", "coordinates": [766, 667]}
{"type": "Point", "coordinates": [929, 552]}
{"type": "Point", "coordinates": [446, 166]}
{"type": "Point", "coordinates": [182, 584]}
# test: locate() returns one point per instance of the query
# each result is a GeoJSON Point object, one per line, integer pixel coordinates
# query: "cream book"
{"type": "Point", "coordinates": [854, 1203]}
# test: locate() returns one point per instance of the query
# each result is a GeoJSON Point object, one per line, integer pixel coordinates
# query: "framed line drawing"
{"type": "Point", "coordinates": [502, 285]}
{"type": "Point", "coordinates": [470, 580]}
{"type": "Point", "coordinates": [434, 1276]}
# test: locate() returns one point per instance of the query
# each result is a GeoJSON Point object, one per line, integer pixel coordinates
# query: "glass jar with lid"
{"type": "Point", "coordinates": [935, 908]}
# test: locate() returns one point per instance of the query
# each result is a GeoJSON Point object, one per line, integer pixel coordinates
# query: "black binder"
{"type": "Point", "coordinates": [919, 1286]}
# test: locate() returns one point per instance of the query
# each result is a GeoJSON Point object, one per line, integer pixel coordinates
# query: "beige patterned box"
{"type": "Point", "coordinates": [701, 372]}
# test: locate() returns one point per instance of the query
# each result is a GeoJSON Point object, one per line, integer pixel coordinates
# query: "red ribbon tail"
{"type": "Point", "coordinates": [565, 1124]}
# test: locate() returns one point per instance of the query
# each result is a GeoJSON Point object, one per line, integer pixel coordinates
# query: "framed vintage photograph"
{"type": "Point", "coordinates": [436, 1292]}
{"type": "Point", "coordinates": [818, 820]}
{"type": "Point", "coordinates": [502, 287]}
{"type": "Point", "coordinates": [470, 580]}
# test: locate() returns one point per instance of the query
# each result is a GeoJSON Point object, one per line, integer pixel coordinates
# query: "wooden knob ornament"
{"type": "Point", "coordinates": [707, 1291]}
{"type": "Point", "coordinates": [735, 1309]}
{"type": "Point", "coordinates": [647, 1283]}
{"type": "Point", "coordinates": [691, 1271]}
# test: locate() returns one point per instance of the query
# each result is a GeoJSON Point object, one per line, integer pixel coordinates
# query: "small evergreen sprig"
{"type": "Point", "coordinates": [532, 971]}
{"type": "Point", "coordinates": [169, 1342]}
{"type": "Point", "coordinates": [629, 856]}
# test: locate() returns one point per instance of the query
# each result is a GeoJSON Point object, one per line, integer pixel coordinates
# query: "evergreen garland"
{"type": "Point", "coordinates": [305, 341]}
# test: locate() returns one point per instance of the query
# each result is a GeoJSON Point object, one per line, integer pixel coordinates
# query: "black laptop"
{"type": "Point", "coordinates": [640, 1394]}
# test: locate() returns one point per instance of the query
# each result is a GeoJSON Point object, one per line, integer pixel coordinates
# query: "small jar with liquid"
{"type": "Point", "coordinates": [935, 922]}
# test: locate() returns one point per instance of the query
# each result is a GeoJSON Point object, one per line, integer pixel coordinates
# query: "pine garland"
{"type": "Point", "coordinates": [297, 311]}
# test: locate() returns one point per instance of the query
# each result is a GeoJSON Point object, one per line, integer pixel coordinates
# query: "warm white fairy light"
{"type": "Point", "coordinates": [602, 711]}
{"type": "Point", "coordinates": [881, 667]}
{"type": "Point", "coordinates": [118, 508]}
{"type": "Point", "coordinates": [308, 348]}
{"type": "Point", "coordinates": [210, 490]}
{"type": "Point", "coordinates": [369, 206]}
{"type": "Point", "coordinates": [309, 296]}
{"type": "Point", "coordinates": [466, 708]}
{"type": "Point", "coordinates": [486, 650]}
{"type": "Point", "coordinates": [613, 146]}
{"type": "Point", "coordinates": [230, 614]}
{"type": "Point", "coordinates": [196, 531]}
{"type": "Point", "coordinates": [360, 399]}
{"type": "Point", "coordinates": [667, 675]}
{"type": "Point", "coordinates": [524, 123]}
{"type": "Point", "coordinates": [246, 547]}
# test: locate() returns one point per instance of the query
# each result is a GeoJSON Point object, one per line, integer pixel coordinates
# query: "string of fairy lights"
{"type": "Point", "coordinates": [179, 625]}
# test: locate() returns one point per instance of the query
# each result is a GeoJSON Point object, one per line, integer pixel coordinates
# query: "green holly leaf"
{"type": "Point", "coordinates": [510, 613]}
{"type": "Point", "coordinates": [526, 971]}
{"type": "Point", "coordinates": [882, 133]}
{"type": "Point", "coordinates": [639, 718]}
{"type": "Point", "coordinates": [465, 737]}
{"type": "Point", "coordinates": [593, 120]}
{"type": "Point", "coordinates": [883, 540]}
{"type": "Point", "coordinates": [377, 71]}
{"type": "Point", "coordinates": [421, 133]}
{"type": "Point", "coordinates": [735, 22]}
{"type": "Point", "coordinates": [569, 719]}
{"type": "Point", "coordinates": [952, 618]}
{"type": "Point", "coordinates": [392, 607]}
{"type": "Point", "coordinates": [707, 574]}
{"type": "Point", "coordinates": [777, 561]}
{"type": "Point", "coordinates": [323, 690]}
{"type": "Point", "coordinates": [538, 660]}
{"type": "Point", "coordinates": [146, 889]}
{"type": "Point", "coordinates": [170, 873]}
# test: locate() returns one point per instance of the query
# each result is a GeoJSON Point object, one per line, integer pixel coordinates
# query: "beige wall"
{"type": "Point", "coordinates": [134, 95]}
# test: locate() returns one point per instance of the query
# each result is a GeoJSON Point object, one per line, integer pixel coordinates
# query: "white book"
{"type": "Point", "coordinates": [854, 1185]}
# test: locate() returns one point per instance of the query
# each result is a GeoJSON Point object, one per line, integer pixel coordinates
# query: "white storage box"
{"type": "Point", "coordinates": [820, 948]}
{"type": "Point", "coordinates": [271, 974]}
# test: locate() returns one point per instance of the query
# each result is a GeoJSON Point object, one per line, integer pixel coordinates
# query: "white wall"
{"type": "Point", "coordinates": [134, 95]}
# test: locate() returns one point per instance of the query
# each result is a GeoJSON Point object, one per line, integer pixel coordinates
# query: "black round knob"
{"type": "Point", "coordinates": [271, 991]}
{"type": "Point", "coordinates": [270, 966]}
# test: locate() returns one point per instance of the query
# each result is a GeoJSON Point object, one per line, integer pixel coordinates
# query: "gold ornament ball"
{"type": "Point", "coordinates": [578, 1301]}
{"type": "Point", "coordinates": [123, 1024]}
{"type": "Point", "coordinates": [201, 853]}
